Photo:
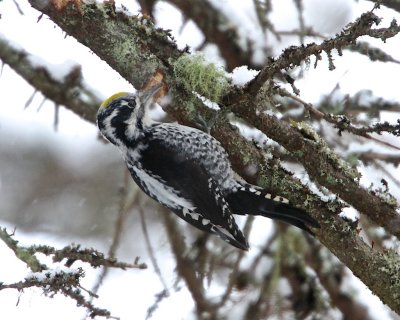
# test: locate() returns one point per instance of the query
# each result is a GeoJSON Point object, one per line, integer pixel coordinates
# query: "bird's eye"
{"type": "Point", "coordinates": [130, 104]}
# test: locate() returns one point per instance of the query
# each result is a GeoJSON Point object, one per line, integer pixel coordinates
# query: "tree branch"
{"type": "Point", "coordinates": [184, 265]}
{"type": "Point", "coordinates": [69, 91]}
{"type": "Point", "coordinates": [66, 281]}
{"type": "Point", "coordinates": [217, 29]}
{"type": "Point", "coordinates": [294, 56]}
{"type": "Point", "coordinates": [343, 123]}
{"type": "Point", "coordinates": [129, 43]}
{"type": "Point", "coordinates": [393, 4]}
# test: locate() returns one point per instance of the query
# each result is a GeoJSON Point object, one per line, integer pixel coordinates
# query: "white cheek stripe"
{"type": "Point", "coordinates": [131, 131]}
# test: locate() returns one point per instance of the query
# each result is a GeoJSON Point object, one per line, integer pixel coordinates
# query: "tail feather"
{"type": "Point", "coordinates": [248, 200]}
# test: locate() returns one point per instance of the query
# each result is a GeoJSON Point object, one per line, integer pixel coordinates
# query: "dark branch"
{"type": "Point", "coordinates": [65, 281]}
{"type": "Point", "coordinates": [393, 4]}
{"type": "Point", "coordinates": [70, 92]}
{"type": "Point", "coordinates": [373, 53]}
{"type": "Point", "coordinates": [217, 29]}
{"type": "Point", "coordinates": [294, 56]}
{"type": "Point", "coordinates": [156, 52]}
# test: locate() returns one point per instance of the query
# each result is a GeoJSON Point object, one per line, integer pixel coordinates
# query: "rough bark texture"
{"type": "Point", "coordinates": [134, 48]}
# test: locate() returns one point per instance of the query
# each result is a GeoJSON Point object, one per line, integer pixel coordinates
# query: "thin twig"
{"type": "Point", "coordinates": [343, 124]}
{"type": "Point", "coordinates": [150, 250]}
{"type": "Point", "coordinates": [184, 265]}
{"type": "Point", "coordinates": [29, 101]}
{"type": "Point", "coordinates": [124, 206]}
{"type": "Point", "coordinates": [235, 270]}
{"type": "Point", "coordinates": [18, 8]}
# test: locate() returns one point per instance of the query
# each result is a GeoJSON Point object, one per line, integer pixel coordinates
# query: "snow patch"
{"type": "Point", "coordinates": [57, 71]}
{"type": "Point", "coordinates": [241, 75]}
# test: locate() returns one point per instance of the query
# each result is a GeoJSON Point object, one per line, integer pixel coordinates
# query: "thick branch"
{"type": "Point", "coordinates": [325, 168]}
{"type": "Point", "coordinates": [217, 29]}
{"type": "Point", "coordinates": [147, 50]}
{"type": "Point", "coordinates": [321, 163]}
{"type": "Point", "coordinates": [130, 45]}
{"type": "Point", "coordinates": [70, 91]}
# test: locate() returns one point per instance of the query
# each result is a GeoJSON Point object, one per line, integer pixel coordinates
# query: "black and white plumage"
{"type": "Point", "coordinates": [187, 170]}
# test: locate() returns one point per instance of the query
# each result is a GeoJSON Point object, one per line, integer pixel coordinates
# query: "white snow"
{"type": "Point", "coordinates": [241, 75]}
{"type": "Point", "coordinates": [57, 71]}
{"type": "Point", "coordinates": [76, 138]}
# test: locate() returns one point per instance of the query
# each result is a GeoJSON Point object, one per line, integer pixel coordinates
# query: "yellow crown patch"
{"type": "Point", "coordinates": [111, 98]}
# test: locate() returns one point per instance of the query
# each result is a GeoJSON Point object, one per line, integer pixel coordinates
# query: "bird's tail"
{"type": "Point", "coordinates": [252, 201]}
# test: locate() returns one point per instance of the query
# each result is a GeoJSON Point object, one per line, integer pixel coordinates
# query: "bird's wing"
{"type": "Point", "coordinates": [184, 186]}
{"type": "Point", "coordinates": [234, 237]}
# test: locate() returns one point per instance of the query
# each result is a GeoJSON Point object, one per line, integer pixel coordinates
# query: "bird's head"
{"type": "Point", "coordinates": [122, 116]}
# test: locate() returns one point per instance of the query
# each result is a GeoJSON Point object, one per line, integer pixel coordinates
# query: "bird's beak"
{"type": "Point", "coordinates": [147, 94]}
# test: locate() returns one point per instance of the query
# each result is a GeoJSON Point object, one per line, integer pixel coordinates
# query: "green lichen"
{"type": "Point", "coordinates": [323, 149]}
{"type": "Point", "coordinates": [298, 153]}
{"type": "Point", "coordinates": [353, 159]}
{"type": "Point", "coordinates": [185, 104]}
{"type": "Point", "coordinates": [346, 228]}
{"type": "Point", "coordinates": [386, 197]}
{"type": "Point", "coordinates": [306, 130]}
{"type": "Point", "coordinates": [308, 201]}
{"type": "Point", "coordinates": [195, 74]}
{"type": "Point", "coordinates": [392, 268]}
{"type": "Point", "coordinates": [21, 252]}
{"type": "Point", "coordinates": [334, 205]}
{"type": "Point", "coordinates": [263, 181]}
{"type": "Point", "coordinates": [330, 180]}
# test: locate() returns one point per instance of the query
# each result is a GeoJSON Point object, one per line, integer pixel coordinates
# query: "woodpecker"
{"type": "Point", "coordinates": [188, 171]}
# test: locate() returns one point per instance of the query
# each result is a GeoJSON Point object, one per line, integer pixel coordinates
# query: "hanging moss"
{"type": "Point", "coordinates": [195, 74]}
